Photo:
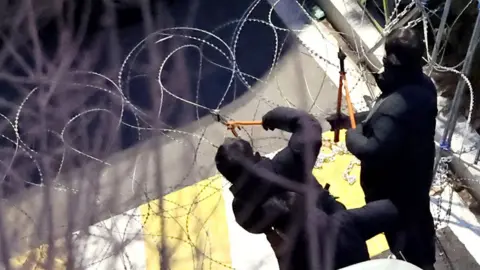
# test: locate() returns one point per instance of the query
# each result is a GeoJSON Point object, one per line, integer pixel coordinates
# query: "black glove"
{"type": "Point", "coordinates": [282, 118]}
{"type": "Point", "coordinates": [338, 122]}
{"type": "Point", "coordinates": [278, 242]}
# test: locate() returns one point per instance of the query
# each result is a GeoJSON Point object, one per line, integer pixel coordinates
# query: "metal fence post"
{"type": "Point", "coordinates": [438, 40]}
{"type": "Point", "coordinates": [457, 99]}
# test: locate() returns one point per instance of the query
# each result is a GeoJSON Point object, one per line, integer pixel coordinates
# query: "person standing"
{"type": "Point", "coordinates": [395, 145]}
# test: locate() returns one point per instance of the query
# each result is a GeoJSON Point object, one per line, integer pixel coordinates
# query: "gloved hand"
{"type": "Point", "coordinates": [336, 122]}
{"type": "Point", "coordinates": [277, 242]}
{"type": "Point", "coordinates": [268, 123]}
{"type": "Point", "coordinates": [280, 117]}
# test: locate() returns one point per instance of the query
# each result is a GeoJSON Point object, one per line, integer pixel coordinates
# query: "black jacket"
{"type": "Point", "coordinates": [396, 143]}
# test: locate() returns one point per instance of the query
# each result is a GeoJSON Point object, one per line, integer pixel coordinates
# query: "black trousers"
{"type": "Point", "coordinates": [414, 238]}
{"type": "Point", "coordinates": [343, 234]}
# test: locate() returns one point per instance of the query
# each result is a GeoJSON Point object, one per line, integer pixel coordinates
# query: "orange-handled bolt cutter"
{"type": "Point", "coordinates": [343, 84]}
{"type": "Point", "coordinates": [234, 125]}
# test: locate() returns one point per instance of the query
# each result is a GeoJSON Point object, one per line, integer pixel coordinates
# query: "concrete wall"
{"type": "Point", "coordinates": [349, 18]}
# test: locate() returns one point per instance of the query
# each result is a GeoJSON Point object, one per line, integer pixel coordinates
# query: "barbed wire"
{"type": "Point", "coordinates": [43, 111]}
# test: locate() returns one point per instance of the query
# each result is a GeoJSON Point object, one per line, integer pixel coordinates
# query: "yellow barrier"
{"type": "Point", "coordinates": [195, 228]}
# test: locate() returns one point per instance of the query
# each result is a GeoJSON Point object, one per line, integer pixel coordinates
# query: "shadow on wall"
{"type": "Point", "coordinates": [70, 114]}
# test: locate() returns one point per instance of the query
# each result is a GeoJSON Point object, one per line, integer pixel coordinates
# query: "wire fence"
{"type": "Point", "coordinates": [106, 106]}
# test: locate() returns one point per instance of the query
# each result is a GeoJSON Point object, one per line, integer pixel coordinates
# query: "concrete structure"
{"type": "Point", "coordinates": [349, 18]}
{"type": "Point", "coordinates": [135, 176]}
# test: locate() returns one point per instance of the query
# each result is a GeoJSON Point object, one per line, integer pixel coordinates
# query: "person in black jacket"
{"type": "Point", "coordinates": [395, 144]}
{"type": "Point", "coordinates": [270, 194]}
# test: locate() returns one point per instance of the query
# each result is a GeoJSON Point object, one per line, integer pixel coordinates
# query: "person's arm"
{"type": "Point", "coordinates": [285, 118]}
{"type": "Point", "coordinates": [374, 218]}
{"type": "Point", "coordinates": [305, 142]}
{"type": "Point", "coordinates": [343, 121]}
{"type": "Point", "coordinates": [260, 218]}
{"type": "Point", "coordinates": [323, 198]}
{"type": "Point", "coordinates": [388, 131]}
